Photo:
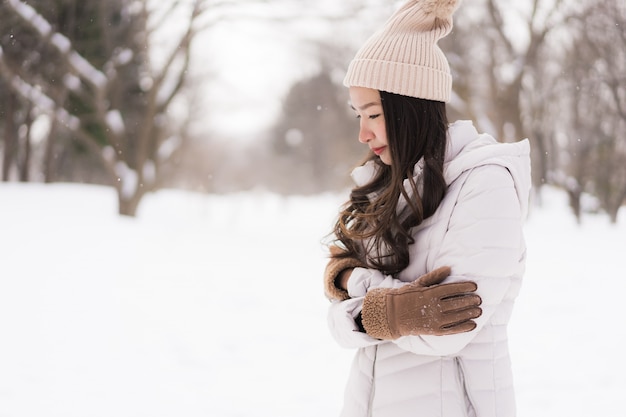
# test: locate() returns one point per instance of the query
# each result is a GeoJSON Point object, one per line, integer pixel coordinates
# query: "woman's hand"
{"type": "Point", "coordinates": [424, 307]}
{"type": "Point", "coordinates": [337, 274]}
{"type": "Point", "coordinates": [341, 281]}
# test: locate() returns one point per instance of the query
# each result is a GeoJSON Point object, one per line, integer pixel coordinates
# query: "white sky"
{"type": "Point", "coordinates": [255, 65]}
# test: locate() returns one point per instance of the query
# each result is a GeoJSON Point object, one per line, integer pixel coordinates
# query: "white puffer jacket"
{"type": "Point", "coordinates": [477, 231]}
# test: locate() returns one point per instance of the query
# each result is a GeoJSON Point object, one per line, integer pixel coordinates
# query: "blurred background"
{"type": "Point", "coordinates": [217, 96]}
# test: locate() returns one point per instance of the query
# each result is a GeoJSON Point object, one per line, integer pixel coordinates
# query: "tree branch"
{"type": "Point", "coordinates": [498, 24]}
{"type": "Point", "coordinates": [44, 103]}
{"type": "Point", "coordinates": [79, 65]}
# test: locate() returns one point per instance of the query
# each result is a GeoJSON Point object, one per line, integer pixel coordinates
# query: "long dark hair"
{"type": "Point", "coordinates": [416, 129]}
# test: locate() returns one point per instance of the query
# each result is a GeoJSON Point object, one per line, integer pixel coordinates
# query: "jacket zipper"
{"type": "Point", "coordinates": [370, 405]}
{"type": "Point", "coordinates": [471, 412]}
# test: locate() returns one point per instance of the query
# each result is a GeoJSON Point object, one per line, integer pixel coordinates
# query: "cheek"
{"type": "Point", "coordinates": [381, 129]}
{"type": "Point", "coordinates": [381, 133]}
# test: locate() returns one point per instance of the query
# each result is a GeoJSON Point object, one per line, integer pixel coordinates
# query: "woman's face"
{"type": "Point", "coordinates": [367, 105]}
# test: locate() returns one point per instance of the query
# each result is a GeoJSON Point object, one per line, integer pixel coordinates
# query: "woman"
{"type": "Point", "coordinates": [429, 252]}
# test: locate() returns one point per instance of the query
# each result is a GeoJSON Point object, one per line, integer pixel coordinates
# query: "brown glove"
{"type": "Point", "coordinates": [335, 267]}
{"type": "Point", "coordinates": [423, 307]}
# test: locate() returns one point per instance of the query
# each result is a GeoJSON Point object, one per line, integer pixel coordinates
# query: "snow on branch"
{"type": "Point", "coordinates": [168, 147]}
{"type": "Point", "coordinates": [79, 64]}
{"type": "Point", "coordinates": [115, 122]}
{"type": "Point", "coordinates": [121, 57]}
{"type": "Point", "coordinates": [128, 179]}
{"type": "Point", "coordinates": [48, 106]}
{"type": "Point", "coordinates": [29, 14]}
{"type": "Point", "coordinates": [61, 43]}
{"type": "Point", "coordinates": [72, 82]}
{"type": "Point", "coordinates": [37, 97]}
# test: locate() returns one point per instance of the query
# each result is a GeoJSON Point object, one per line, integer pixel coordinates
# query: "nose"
{"type": "Point", "coordinates": [365, 134]}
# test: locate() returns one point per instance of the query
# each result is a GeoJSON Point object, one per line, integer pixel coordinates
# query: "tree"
{"type": "Point", "coordinates": [497, 63]}
{"type": "Point", "coordinates": [552, 72]}
{"type": "Point", "coordinates": [16, 143]}
{"type": "Point", "coordinates": [115, 104]}
{"type": "Point", "coordinates": [594, 140]}
{"type": "Point", "coordinates": [17, 113]}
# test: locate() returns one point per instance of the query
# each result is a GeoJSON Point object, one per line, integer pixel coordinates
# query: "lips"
{"type": "Point", "coordinates": [378, 151]}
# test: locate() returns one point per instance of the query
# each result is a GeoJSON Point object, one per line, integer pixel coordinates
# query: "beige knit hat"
{"type": "Point", "coordinates": [403, 57]}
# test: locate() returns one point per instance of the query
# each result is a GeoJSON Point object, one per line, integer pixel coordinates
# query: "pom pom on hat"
{"type": "Point", "coordinates": [441, 9]}
{"type": "Point", "coordinates": [403, 57]}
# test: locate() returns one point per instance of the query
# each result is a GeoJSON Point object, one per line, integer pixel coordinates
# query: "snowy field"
{"type": "Point", "coordinates": [212, 306]}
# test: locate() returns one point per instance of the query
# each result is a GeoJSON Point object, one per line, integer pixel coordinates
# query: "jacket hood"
{"type": "Point", "coordinates": [467, 149]}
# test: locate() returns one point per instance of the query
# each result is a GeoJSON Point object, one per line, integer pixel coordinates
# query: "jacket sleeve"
{"type": "Point", "coordinates": [483, 243]}
{"type": "Point", "coordinates": [342, 314]}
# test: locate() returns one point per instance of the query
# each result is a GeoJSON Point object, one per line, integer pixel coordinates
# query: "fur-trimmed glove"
{"type": "Point", "coordinates": [336, 265]}
{"type": "Point", "coordinates": [423, 307]}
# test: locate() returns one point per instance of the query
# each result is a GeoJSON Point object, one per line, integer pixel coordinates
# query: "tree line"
{"type": "Point", "coordinates": [81, 98]}
{"type": "Point", "coordinates": [551, 71]}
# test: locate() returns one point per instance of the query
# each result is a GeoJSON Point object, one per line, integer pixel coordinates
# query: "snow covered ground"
{"type": "Point", "coordinates": [212, 306]}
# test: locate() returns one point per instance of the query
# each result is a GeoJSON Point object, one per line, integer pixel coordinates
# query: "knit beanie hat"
{"type": "Point", "coordinates": [403, 57]}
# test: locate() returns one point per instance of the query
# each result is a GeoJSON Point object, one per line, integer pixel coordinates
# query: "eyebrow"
{"type": "Point", "coordinates": [366, 106]}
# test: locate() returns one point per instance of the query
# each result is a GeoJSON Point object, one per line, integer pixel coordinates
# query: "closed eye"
{"type": "Point", "coordinates": [372, 117]}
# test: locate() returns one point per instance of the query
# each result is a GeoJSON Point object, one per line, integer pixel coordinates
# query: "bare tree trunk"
{"type": "Point", "coordinates": [615, 208]}
{"type": "Point", "coordinates": [540, 159]}
{"type": "Point", "coordinates": [24, 161]}
{"type": "Point", "coordinates": [575, 203]}
{"type": "Point", "coordinates": [128, 205]}
{"type": "Point", "coordinates": [49, 165]}
{"type": "Point", "coordinates": [10, 140]}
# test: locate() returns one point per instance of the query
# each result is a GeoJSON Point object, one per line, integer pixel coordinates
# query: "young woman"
{"type": "Point", "coordinates": [429, 252]}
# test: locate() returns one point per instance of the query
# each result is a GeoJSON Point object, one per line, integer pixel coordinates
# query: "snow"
{"type": "Point", "coordinates": [149, 172]}
{"type": "Point", "coordinates": [115, 122]}
{"type": "Point", "coordinates": [72, 82]}
{"type": "Point", "coordinates": [128, 178]}
{"type": "Point", "coordinates": [108, 153]}
{"type": "Point", "coordinates": [40, 129]}
{"type": "Point", "coordinates": [87, 71]}
{"type": "Point", "coordinates": [168, 147]}
{"type": "Point", "coordinates": [208, 305]}
{"type": "Point", "coordinates": [62, 43]}
{"type": "Point", "coordinates": [123, 56]}
{"type": "Point", "coordinates": [29, 14]}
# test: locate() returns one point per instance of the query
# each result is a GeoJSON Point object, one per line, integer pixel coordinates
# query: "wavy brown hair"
{"type": "Point", "coordinates": [416, 129]}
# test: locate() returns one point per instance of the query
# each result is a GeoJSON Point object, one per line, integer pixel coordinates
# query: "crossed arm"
{"type": "Point", "coordinates": [483, 249]}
